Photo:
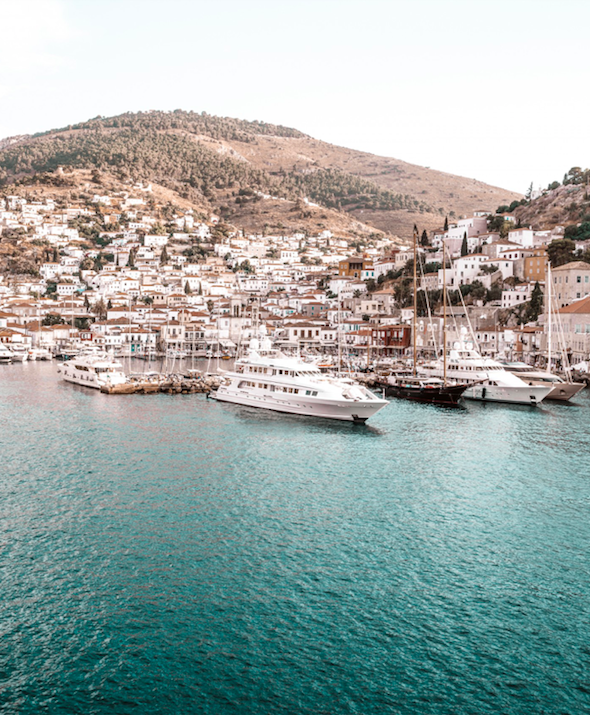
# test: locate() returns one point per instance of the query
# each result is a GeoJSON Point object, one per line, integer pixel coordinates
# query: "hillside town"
{"type": "Point", "coordinates": [124, 272]}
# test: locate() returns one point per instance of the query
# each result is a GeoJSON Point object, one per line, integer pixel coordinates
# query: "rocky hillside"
{"type": "Point", "coordinates": [565, 205]}
{"type": "Point", "coordinates": [251, 173]}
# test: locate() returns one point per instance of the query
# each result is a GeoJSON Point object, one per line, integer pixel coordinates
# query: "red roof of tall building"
{"type": "Point", "coordinates": [578, 306]}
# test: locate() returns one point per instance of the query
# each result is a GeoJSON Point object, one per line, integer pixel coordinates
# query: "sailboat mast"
{"type": "Point", "coordinates": [339, 336]}
{"type": "Point", "coordinates": [415, 302]}
{"type": "Point", "coordinates": [549, 330]}
{"type": "Point", "coordinates": [444, 297]}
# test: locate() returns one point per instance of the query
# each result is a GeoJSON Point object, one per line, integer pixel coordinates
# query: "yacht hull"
{"type": "Point", "coordinates": [348, 411]}
{"type": "Point", "coordinates": [84, 380]}
{"type": "Point", "coordinates": [81, 372]}
{"type": "Point", "coordinates": [529, 395]}
{"type": "Point", "coordinates": [561, 391]}
{"type": "Point", "coordinates": [449, 395]}
{"type": "Point", "coordinates": [565, 391]}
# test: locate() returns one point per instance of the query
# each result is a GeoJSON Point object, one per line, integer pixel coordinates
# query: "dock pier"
{"type": "Point", "coordinates": [169, 385]}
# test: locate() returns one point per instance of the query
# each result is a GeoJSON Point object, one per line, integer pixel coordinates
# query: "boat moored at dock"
{"type": "Point", "coordinates": [420, 388]}
{"type": "Point", "coordinates": [431, 390]}
{"type": "Point", "coordinates": [20, 353]}
{"type": "Point", "coordinates": [562, 390]}
{"type": "Point", "coordinates": [273, 381]}
{"type": "Point", "coordinates": [488, 380]}
{"type": "Point", "coordinates": [6, 354]}
{"type": "Point", "coordinates": [93, 369]}
{"type": "Point", "coordinates": [40, 353]}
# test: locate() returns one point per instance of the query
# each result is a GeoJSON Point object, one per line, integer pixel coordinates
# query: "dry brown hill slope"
{"type": "Point", "coordinates": [446, 194]}
{"type": "Point", "coordinates": [257, 215]}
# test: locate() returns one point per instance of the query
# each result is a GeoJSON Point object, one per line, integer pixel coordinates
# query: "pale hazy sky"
{"type": "Point", "coordinates": [496, 90]}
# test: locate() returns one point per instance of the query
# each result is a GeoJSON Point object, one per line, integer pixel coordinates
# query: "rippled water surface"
{"type": "Point", "coordinates": [170, 554]}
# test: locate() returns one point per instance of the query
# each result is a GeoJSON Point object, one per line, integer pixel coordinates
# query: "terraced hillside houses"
{"type": "Point", "coordinates": [138, 276]}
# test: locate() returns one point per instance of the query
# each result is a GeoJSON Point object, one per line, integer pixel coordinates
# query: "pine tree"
{"type": "Point", "coordinates": [100, 309]}
{"type": "Point", "coordinates": [464, 247]}
{"type": "Point", "coordinates": [446, 226]}
{"type": "Point", "coordinates": [164, 256]}
{"type": "Point", "coordinates": [535, 305]}
{"type": "Point", "coordinates": [424, 239]}
{"type": "Point", "coordinates": [187, 288]}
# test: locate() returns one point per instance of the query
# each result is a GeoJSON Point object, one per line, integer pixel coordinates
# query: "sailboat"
{"type": "Point", "coordinates": [563, 390]}
{"type": "Point", "coordinates": [424, 388]}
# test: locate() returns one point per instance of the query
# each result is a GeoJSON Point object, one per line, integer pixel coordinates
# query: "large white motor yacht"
{"type": "Point", "coordinates": [488, 379]}
{"type": "Point", "coordinates": [273, 381]}
{"type": "Point", "coordinates": [561, 389]}
{"type": "Point", "coordinates": [93, 369]}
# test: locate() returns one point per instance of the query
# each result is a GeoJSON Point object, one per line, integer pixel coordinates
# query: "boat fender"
{"type": "Point", "coordinates": [483, 393]}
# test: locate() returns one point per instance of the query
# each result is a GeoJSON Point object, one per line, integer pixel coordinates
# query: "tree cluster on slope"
{"type": "Point", "coordinates": [341, 190]}
{"type": "Point", "coordinates": [178, 162]}
{"type": "Point", "coordinates": [179, 120]}
{"type": "Point", "coordinates": [163, 158]}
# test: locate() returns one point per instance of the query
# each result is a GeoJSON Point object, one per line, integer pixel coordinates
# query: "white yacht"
{"type": "Point", "coordinates": [5, 354]}
{"type": "Point", "coordinates": [40, 353]}
{"type": "Point", "coordinates": [19, 353]}
{"type": "Point", "coordinates": [489, 381]}
{"type": "Point", "coordinates": [176, 354]}
{"type": "Point", "coordinates": [562, 390]}
{"type": "Point", "coordinates": [270, 380]}
{"type": "Point", "coordinates": [93, 369]}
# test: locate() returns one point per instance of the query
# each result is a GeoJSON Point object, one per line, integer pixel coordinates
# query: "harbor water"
{"type": "Point", "coordinates": [172, 554]}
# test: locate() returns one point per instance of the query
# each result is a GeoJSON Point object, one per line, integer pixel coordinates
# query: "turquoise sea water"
{"type": "Point", "coordinates": [170, 554]}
